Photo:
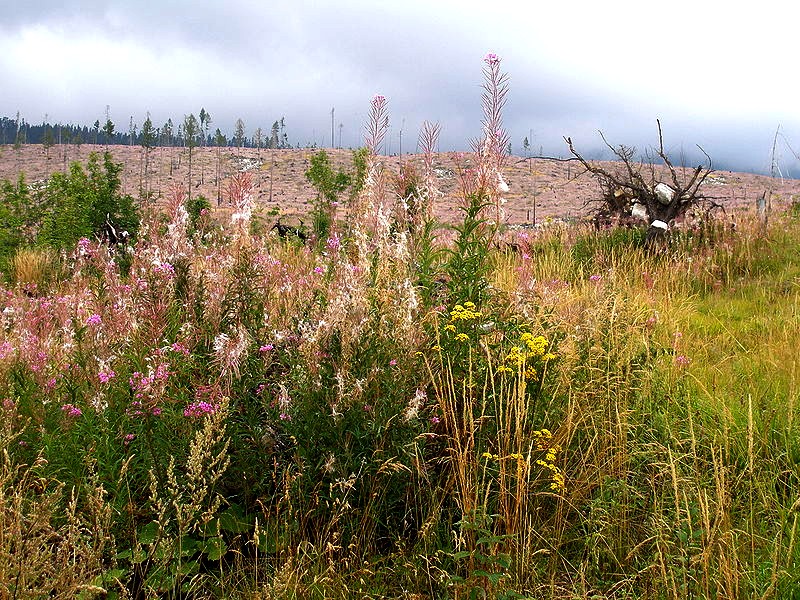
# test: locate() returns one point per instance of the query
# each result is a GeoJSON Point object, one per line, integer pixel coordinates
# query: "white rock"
{"type": "Point", "coordinates": [639, 211]}
{"type": "Point", "coordinates": [664, 193]}
{"type": "Point", "coordinates": [501, 183]}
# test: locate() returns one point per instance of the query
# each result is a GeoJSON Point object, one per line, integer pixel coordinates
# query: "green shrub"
{"type": "Point", "coordinates": [81, 202]}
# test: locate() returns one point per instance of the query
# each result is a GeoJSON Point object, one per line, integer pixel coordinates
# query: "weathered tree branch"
{"type": "Point", "coordinates": [628, 196]}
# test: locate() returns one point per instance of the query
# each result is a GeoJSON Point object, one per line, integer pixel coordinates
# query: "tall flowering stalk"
{"type": "Point", "coordinates": [378, 124]}
{"type": "Point", "coordinates": [371, 196]}
{"type": "Point", "coordinates": [240, 193]}
{"type": "Point", "coordinates": [490, 149]}
{"type": "Point", "coordinates": [428, 138]}
{"type": "Point", "coordinates": [172, 245]}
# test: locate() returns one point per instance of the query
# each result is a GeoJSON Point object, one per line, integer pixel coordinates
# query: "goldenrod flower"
{"type": "Point", "coordinates": [464, 313]}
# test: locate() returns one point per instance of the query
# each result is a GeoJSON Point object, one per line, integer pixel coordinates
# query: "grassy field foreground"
{"type": "Point", "coordinates": [242, 416]}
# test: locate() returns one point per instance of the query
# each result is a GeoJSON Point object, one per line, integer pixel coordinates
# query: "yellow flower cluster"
{"type": "Point", "coordinates": [518, 357]}
{"type": "Point", "coordinates": [522, 463]}
{"type": "Point", "coordinates": [512, 456]}
{"type": "Point", "coordinates": [466, 312]}
{"type": "Point", "coordinates": [542, 438]}
{"type": "Point", "coordinates": [536, 345]}
{"type": "Point", "coordinates": [543, 443]}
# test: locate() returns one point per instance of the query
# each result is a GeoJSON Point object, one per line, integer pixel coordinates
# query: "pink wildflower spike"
{"type": "Point", "coordinates": [71, 410]}
{"type": "Point", "coordinates": [164, 269]}
{"type": "Point", "coordinates": [393, 362]}
{"type": "Point", "coordinates": [333, 243]}
{"type": "Point", "coordinates": [95, 319]}
{"type": "Point", "coordinates": [491, 59]}
{"type": "Point", "coordinates": [199, 409]}
{"type": "Point", "coordinates": [106, 376]}
{"type": "Point", "coordinates": [595, 278]}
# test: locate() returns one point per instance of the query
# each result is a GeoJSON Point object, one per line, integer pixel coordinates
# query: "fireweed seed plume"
{"type": "Point", "coordinates": [176, 244]}
{"type": "Point", "coordinates": [230, 351]}
{"type": "Point", "coordinates": [372, 193]}
{"type": "Point", "coordinates": [490, 150]}
{"type": "Point", "coordinates": [240, 193]}
{"type": "Point", "coordinates": [428, 140]}
{"type": "Point", "coordinates": [377, 125]}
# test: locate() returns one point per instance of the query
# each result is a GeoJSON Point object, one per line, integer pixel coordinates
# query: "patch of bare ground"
{"type": "Point", "coordinates": [539, 187]}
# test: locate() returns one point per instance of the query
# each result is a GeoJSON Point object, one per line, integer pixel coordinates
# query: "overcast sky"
{"type": "Point", "coordinates": [717, 76]}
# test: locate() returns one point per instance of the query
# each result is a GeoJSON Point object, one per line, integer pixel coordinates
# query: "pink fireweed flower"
{"type": "Point", "coordinates": [595, 278]}
{"type": "Point", "coordinates": [137, 409]}
{"type": "Point", "coordinates": [84, 247]}
{"type": "Point", "coordinates": [6, 349]}
{"type": "Point", "coordinates": [150, 385]}
{"type": "Point", "coordinates": [71, 410]}
{"type": "Point", "coordinates": [491, 59]}
{"type": "Point", "coordinates": [285, 416]}
{"type": "Point", "coordinates": [179, 348]}
{"type": "Point", "coordinates": [38, 361]}
{"type": "Point", "coordinates": [682, 361]}
{"type": "Point", "coordinates": [266, 348]}
{"type": "Point", "coordinates": [435, 420]}
{"type": "Point", "coordinates": [164, 269]}
{"type": "Point", "coordinates": [319, 270]}
{"type": "Point", "coordinates": [333, 243]}
{"type": "Point", "coordinates": [393, 362]}
{"type": "Point", "coordinates": [129, 437]}
{"type": "Point", "coordinates": [95, 319]}
{"type": "Point", "coordinates": [106, 376]}
{"type": "Point", "coordinates": [199, 409]}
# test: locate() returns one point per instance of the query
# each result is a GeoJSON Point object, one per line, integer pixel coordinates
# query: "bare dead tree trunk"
{"type": "Point", "coordinates": [634, 192]}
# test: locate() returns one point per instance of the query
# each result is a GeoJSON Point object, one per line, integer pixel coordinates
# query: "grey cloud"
{"type": "Point", "coordinates": [260, 61]}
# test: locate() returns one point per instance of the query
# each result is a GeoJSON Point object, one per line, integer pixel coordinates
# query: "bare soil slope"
{"type": "Point", "coordinates": [539, 188]}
